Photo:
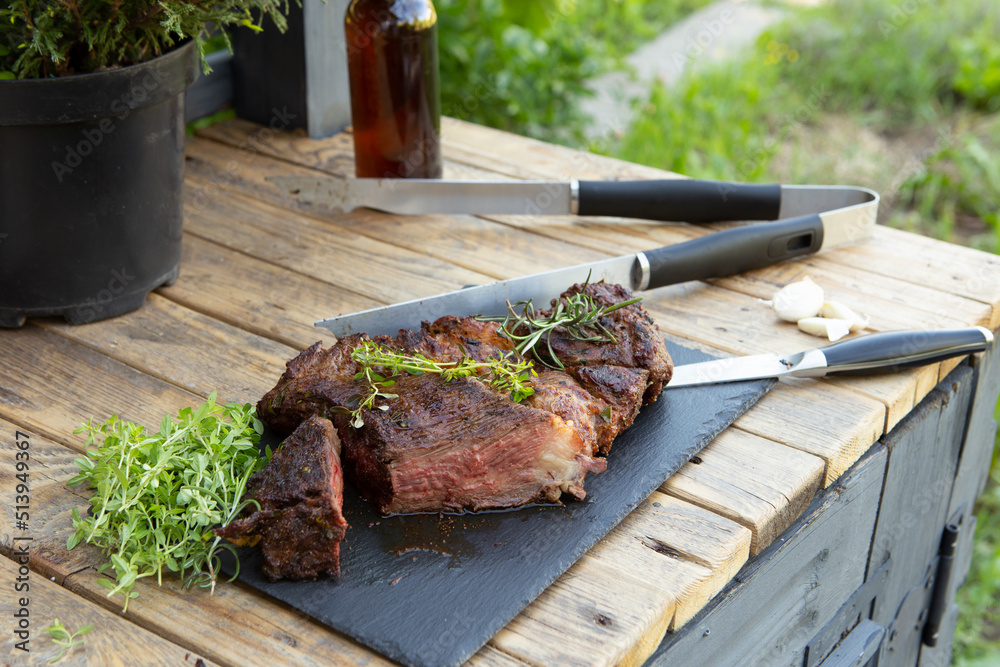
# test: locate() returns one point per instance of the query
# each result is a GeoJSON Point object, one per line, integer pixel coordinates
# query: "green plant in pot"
{"type": "Point", "coordinates": [92, 147]}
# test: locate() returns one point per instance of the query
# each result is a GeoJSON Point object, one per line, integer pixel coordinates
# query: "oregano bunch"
{"type": "Point", "coordinates": [49, 38]}
{"type": "Point", "coordinates": [158, 495]}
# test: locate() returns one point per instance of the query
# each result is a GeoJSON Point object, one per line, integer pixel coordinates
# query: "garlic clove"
{"type": "Point", "coordinates": [798, 300]}
{"type": "Point", "coordinates": [838, 310]}
{"type": "Point", "coordinates": [831, 328]}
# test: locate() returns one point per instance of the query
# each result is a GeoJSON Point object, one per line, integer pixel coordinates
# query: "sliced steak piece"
{"type": "Point", "coordinates": [300, 522]}
{"type": "Point", "coordinates": [639, 343]}
{"type": "Point", "coordinates": [621, 389]}
{"type": "Point", "coordinates": [452, 446]}
{"type": "Point", "coordinates": [314, 381]}
{"type": "Point", "coordinates": [588, 414]}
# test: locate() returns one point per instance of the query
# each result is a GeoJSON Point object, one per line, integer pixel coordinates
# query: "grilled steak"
{"type": "Point", "coordinates": [299, 524]}
{"type": "Point", "coordinates": [461, 445]}
{"type": "Point", "coordinates": [639, 343]}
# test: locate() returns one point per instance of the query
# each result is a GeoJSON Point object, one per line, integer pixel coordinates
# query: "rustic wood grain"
{"type": "Point", "coordinates": [258, 296]}
{"type": "Point", "coordinates": [660, 565]}
{"type": "Point", "coordinates": [474, 243]}
{"type": "Point", "coordinates": [189, 349]}
{"type": "Point", "coordinates": [114, 641]}
{"type": "Point", "coordinates": [50, 466]}
{"type": "Point", "coordinates": [834, 424]}
{"type": "Point", "coordinates": [333, 254]}
{"type": "Point", "coordinates": [739, 324]}
{"type": "Point", "coordinates": [751, 480]}
{"type": "Point", "coordinates": [52, 385]}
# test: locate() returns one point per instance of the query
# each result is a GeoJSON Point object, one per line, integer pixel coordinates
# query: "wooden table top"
{"type": "Point", "coordinates": [259, 269]}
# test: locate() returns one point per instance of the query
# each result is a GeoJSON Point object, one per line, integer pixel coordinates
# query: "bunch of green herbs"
{"type": "Point", "coordinates": [158, 495]}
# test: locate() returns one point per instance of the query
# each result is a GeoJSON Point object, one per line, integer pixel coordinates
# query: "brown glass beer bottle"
{"type": "Point", "coordinates": [395, 94]}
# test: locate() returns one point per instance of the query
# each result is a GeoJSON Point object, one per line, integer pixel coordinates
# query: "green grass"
{"type": "Point", "coordinates": [524, 67]}
{"type": "Point", "coordinates": [906, 103]}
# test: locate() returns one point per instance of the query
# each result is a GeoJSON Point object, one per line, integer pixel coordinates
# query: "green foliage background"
{"type": "Point", "coordinates": [42, 38]}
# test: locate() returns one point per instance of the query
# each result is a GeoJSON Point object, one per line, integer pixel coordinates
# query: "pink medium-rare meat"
{"type": "Point", "coordinates": [590, 416]}
{"type": "Point", "coordinates": [300, 523]}
{"type": "Point", "coordinates": [452, 446]}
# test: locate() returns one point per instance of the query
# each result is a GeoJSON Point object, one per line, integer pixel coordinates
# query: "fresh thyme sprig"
{"type": "Point", "coordinates": [379, 366]}
{"type": "Point", "coordinates": [158, 495]}
{"type": "Point", "coordinates": [61, 635]}
{"type": "Point", "coordinates": [578, 315]}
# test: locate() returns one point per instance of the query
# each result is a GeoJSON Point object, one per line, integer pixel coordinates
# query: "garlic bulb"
{"type": "Point", "coordinates": [832, 328]}
{"type": "Point", "coordinates": [837, 310]}
{"type": "Point", "coordinates": [798, 300]}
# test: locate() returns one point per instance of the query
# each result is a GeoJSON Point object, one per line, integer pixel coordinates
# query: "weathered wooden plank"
{"type": "Point", "coordinates": [51, 385]}
{"type": "Point", "coordinates": [751, 480]}
{"type": "Point", "coordinates": [923, 261]}
{"type": "Point", "coordinates": [895, 304]}
{"type": "Point", "coordinates": [522, 157]}
{"type": "Point", "coordinates": [232, 626]}
{"type": "Point", "coordinates": [474, 243]}
{"type": "Point", "coordinates": [656, 569]}
{"type": "Point", "coordinates": [173, 343]}
{"type": "Point", "coordinates": [333, 154]}
{"type": "Point", "coordinates": [836, 425]}
{"type": "Point", "coordinates": [330, 253]}
{"type": "Point", "coordinates": [258, 296]}
{"type": "Point", "coordinates": [782, 598]}
{"type": "Point", "coordinates": [923, 457]}
{"type": "Point", "coordinates": [980, 437]}
{"type": "Point", "coordinates": [46, 601]}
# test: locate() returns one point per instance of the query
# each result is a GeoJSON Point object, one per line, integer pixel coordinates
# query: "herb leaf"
{"type": "Point", "coordinates": [158, 495]}
{"type": "Point", "coordinates": [64, 638]}
{"type": "Point", "coordinates": [578, 315]}
{"type": "Point", "coordinates": [506, 374]}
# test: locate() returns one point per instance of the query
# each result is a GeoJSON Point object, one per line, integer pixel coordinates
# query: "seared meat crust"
{"type": "Point", "coordinates": [300, 522]}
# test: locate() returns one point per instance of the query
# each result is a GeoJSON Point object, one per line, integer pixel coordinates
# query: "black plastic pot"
{"type": "Point", "coordinates": [91, 175]}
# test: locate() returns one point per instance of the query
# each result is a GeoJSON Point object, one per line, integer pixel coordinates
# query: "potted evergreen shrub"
{"type": "Point", "coordinates": [92, 147]}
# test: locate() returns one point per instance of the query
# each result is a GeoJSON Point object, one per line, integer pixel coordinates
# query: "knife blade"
{"type": "Point", "coordinates": [679, 199]}
{"type": "Point", "coordinates": [723, 253]}
{"type": "Point", "coordinates": [874, 353]}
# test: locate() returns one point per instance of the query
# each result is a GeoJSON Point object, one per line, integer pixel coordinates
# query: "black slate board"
{"type": "Point", "coordinates": [430, 590]}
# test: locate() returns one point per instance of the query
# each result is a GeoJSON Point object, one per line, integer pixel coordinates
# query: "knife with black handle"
{"type": "Point", "coordinates": [885, 352]}
{"type": "Point", "coordinates": [677, 199]}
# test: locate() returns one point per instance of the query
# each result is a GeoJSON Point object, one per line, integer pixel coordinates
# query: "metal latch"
{"type": "Point", "coordinates": [942, 581]}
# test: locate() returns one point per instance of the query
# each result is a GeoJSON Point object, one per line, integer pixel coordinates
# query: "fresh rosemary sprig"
{"type": "Point", "coordinates": [158, 495]}
{"type": "Point", "coordinates": [379, 366]}
{"type": "Point", "coordinates": [578, 315]}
